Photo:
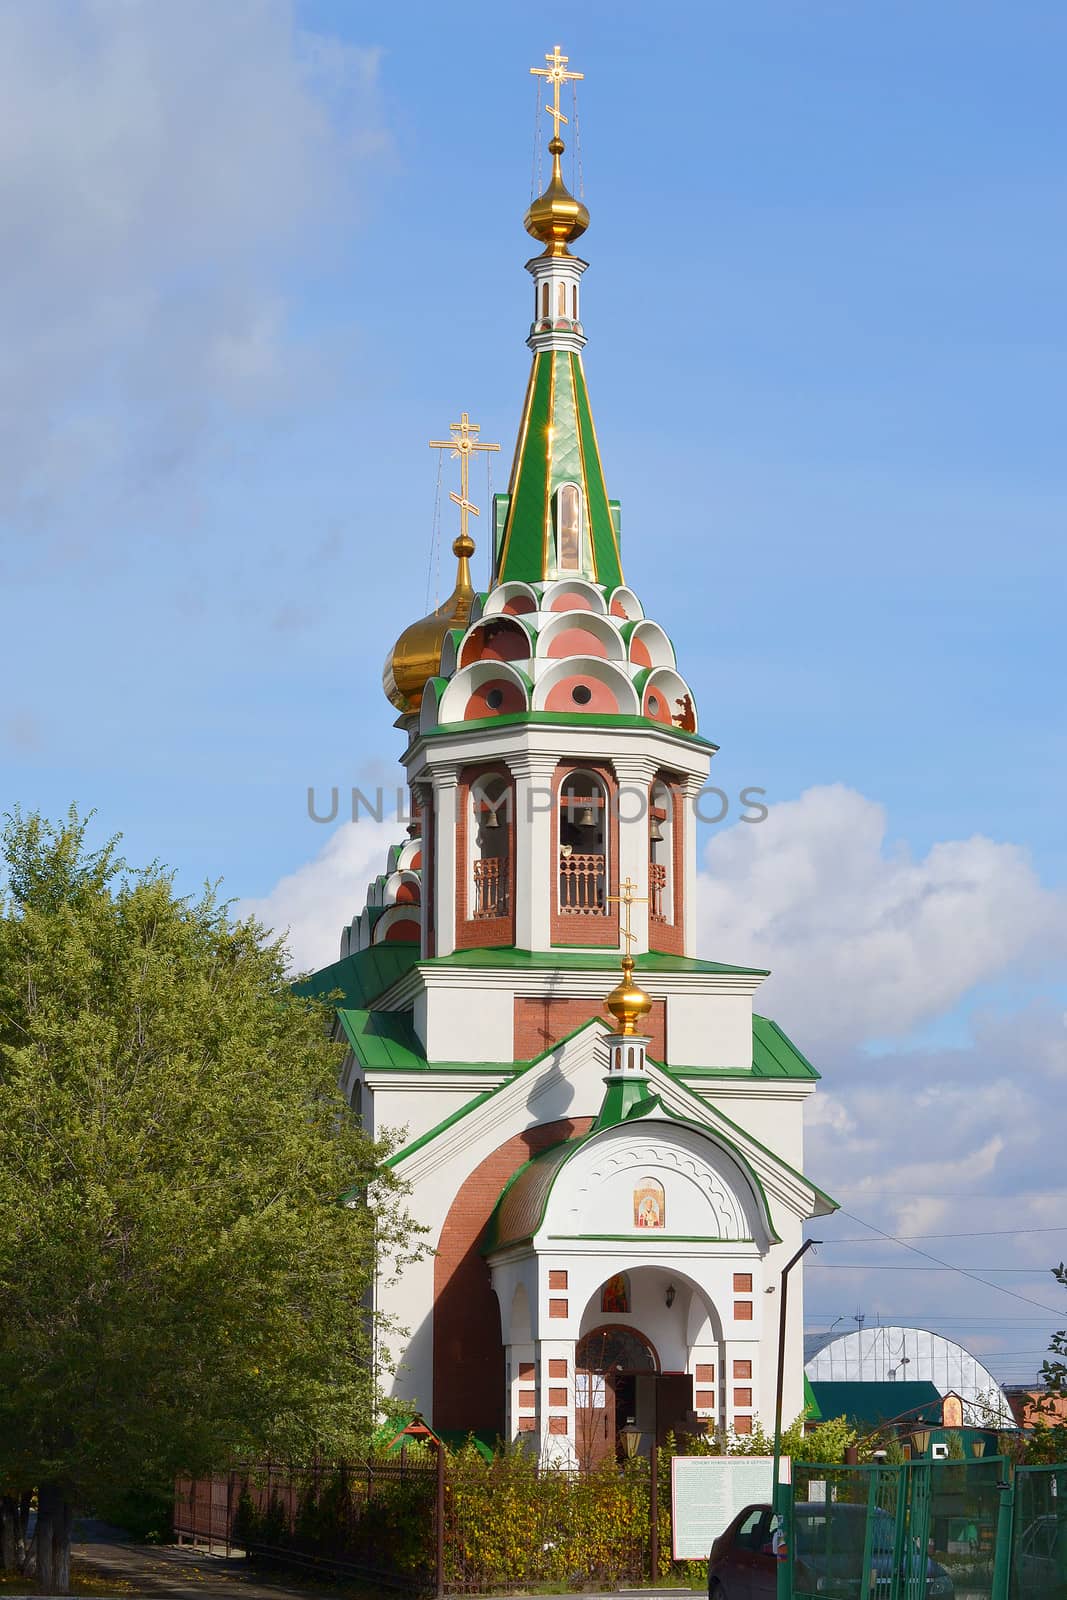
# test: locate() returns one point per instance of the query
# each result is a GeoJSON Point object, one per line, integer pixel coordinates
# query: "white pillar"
{"type": "Point", "coordinates": [634, 775]}
{"type": "Point", "coordinates": [535, 870]}
{"type": "Point", "coordinates": [444, 811]}
{"type": "Point", "coordinates": [686, 803]}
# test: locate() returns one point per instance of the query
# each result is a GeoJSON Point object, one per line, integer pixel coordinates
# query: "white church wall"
{"type": "Point", "coordinates": [709, 1030]}
{"type": "Point", "coordinates": [462, 1021]}
{"type": "Point", "coordinates": [772, 1111]}
{"type": "Point", "coordinates": [399, 1103]}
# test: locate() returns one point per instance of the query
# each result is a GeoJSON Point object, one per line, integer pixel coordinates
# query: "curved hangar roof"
{"type": "Point", "coordinates": [887, 1354]}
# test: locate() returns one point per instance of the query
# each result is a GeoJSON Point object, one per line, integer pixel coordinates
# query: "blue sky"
{"type": "Point", "coordinates": [259, 255]}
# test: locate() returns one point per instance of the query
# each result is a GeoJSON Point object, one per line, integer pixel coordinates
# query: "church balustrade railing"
{"type": "Point", "coordinates": [491, 887]}
{"type": "Point", "coordinates": [582, 884]}
{"type": "Point", "coordinates": [657, 891]}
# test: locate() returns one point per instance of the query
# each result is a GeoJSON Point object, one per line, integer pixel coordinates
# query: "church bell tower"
{"type": "Point", "coordinates": [608, 1205]}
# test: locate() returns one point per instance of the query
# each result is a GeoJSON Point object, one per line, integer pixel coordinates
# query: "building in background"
{"type": "Point", "coordinates": [883, 1356]}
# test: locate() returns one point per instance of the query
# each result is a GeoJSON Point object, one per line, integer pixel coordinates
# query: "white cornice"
{"type": "Point", "coordinates": [435, 1082]}
{"type": "Point", "coordinates": [487, 740]}
{"type": "Point", "coordinates": [549, 980]}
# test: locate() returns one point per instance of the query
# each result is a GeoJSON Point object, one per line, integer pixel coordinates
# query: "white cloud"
{"type": "Point", "coordinates": [316, 901]}
{"type": "Point", "coordinates": [163, 161]}
{"type": "Point", "coordinates": [863, 940]}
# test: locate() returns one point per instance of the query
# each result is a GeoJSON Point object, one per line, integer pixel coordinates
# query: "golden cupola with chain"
{"type": "Point", "coordinates": [416, 656]}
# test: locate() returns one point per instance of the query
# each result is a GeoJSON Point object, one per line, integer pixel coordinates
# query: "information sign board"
{"type": "Point", "coordinates": [707, 1492]}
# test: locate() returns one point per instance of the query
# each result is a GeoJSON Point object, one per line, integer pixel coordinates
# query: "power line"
{"type": "Point", "coordinates": [979, 1233]}
{"type": "Point", "coordinates": [963, 1272]}
{"type": "Point", "coordinates": [880, 1266]}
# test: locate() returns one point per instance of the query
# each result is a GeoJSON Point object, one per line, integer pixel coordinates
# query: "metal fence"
{"type": "Point", "coordinates": [379, 1520]}
{"type": "Point", "coordinates": [916, 1531]}
{"type": "Point", "coordinates": [1039, 1534]}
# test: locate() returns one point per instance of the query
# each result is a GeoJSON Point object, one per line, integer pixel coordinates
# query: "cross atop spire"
{"type": "Point", "coordinates": [463, 443]}
{"type": "Point", "coordinates": [557, 75]}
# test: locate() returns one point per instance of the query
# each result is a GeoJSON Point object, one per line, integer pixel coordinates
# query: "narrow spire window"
{"type": "Point", "coordinates": [574, 302]}
{"type": "Point", "coordinates": [569, 528]}
{"type": "Point", "coordinates": [544, 299]}
{"type": "Point", "coordinates": [562, 299]}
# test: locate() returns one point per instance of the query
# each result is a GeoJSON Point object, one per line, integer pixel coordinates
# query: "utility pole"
{"type": "Point", "coordinates": [784, 1567]}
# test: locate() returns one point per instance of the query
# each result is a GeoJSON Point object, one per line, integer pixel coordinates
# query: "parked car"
{"type": "Point", "coordinates": [828, 1555]}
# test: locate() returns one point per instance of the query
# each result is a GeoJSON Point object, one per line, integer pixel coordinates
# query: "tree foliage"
{"type": "Point", "coordinates": [179, 1286]}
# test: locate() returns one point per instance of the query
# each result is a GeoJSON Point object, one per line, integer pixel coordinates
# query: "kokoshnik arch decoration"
{"type": "Point", "coordinates": [610, 1186]}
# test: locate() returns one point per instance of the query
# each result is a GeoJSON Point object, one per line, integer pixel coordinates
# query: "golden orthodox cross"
{"type": "Point", "coordinates": [628, 899]}
{"type": "Point", "coordinates": [463, 443]}
{"type": "Point", "coordinates": [557, 75]}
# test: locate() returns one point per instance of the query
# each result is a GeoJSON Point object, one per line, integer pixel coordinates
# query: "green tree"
{"type": "Point", "coordinates": [179, 1286]}
{"type": "Point", "coordinates": [1048, 1441]}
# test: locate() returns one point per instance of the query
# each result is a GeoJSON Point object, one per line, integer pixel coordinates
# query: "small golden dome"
{"type": "Point", "coordinates": [416, 656]}
{"type": "Point", "coordinates": [628, 1002]}
{"type": "Point", "coordinates": [556, 217]}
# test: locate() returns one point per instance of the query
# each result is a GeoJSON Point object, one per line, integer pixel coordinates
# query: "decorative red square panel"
{"type": "Point", "coordinates": [557, 1424]}
{"type": "Point", "coordinates": [705, 1372]}
{"type": "Point", "coordinates": [526, 1370]}
{"type": "Point", "coordinates": [705, 1399]}
{"type": "Point", "coordinates": [742, 1310]}
{"type": "Point", "coordinates": [557, 1367]}
{"type": "Point", "coordinates": [742, 1369]}
{"type": "Point", "coordinates": [742, 1397]}
{"type": "Point", "coordinates": [527, 1424]}
{"type": "Point", "coordinates": [558, 1308]}
{"type": "Point", "coordinates": [742, 1283]}
{"type": "Point", "coordinates": [742, 1424]}
{"type": "Point", "coordinates": [557, 1278]}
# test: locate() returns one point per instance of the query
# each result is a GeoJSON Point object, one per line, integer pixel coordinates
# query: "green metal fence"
{"type": "Point", "coordinates": [1039, 1534]}
{"type": "Point", "coordinates": [917, 1531]}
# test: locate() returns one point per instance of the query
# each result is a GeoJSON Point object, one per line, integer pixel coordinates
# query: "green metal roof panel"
{"type": "Point", "coordinates": [602, 524]}
{"type": "Point", "coordinates": [774, 1055]}
{"type": "Point", "coordinates": [383, 1038]}
{"type": "Point", "coordinates": [574, 719]}
{"type": "Point", "coordinates": [871, 1405]}
{"type": "Point", "coordinates": [651, 961]}
{"type": "Point", "coordinates": [523, 552]}
{"type": "Point", "coordinates": [362, 976]}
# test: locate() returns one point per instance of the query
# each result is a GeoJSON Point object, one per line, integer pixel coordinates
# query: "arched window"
{"type": "Point", "coordinates": [574, 302]}
{"type": "Point", "coordinates": [569, 528]}
{"type": "Point", "coordinates": [562, 300]}
{"type": "Point", "coordinates": [661, 854]}
{"type": "Point", "coordinates": [583, 847]}
{"type": "Point", "coordinates": [544, 299]}
{"type": "Point", "coordinates": [490, 855]}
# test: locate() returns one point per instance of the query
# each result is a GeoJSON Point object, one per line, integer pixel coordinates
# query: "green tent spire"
{"type": "Point", "coordinates": [556, 520]}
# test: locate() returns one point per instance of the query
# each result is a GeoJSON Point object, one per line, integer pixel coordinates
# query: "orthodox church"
{"type": "Point", "coordinates": [602, 1137]}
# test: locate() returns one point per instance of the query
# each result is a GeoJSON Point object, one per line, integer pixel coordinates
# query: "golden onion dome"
{"type": "Point", "coordinates": [416, 656]}
{"type": "Point", "coordinates": [556, 217]}
{"type": "Point", "coordinates": [627, 1002]}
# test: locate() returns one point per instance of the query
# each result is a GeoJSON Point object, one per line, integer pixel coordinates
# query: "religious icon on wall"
{"type": "Point", "coordinates": [952, 1411]}
{"type": "Point", "coordinates": [649, 1204]}
{"type": "Point", "coordinates": [615, 1295]}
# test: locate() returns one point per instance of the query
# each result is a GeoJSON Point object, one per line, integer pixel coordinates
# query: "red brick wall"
{"type": "Point", "coordinates": [539, 1024]}
{"type": "Point", "coordinates": [468, 1350]}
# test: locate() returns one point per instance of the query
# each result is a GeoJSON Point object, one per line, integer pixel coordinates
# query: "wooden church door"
{"type": "Point", "coordinates": [594, 1418]}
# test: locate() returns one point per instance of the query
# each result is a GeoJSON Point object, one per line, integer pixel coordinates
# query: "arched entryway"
{"type": "Point", "coordinates": [614, 1367]}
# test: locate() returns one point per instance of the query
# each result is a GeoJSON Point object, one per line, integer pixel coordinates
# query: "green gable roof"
{"type": "Point", "coordinates": [557, 444]}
